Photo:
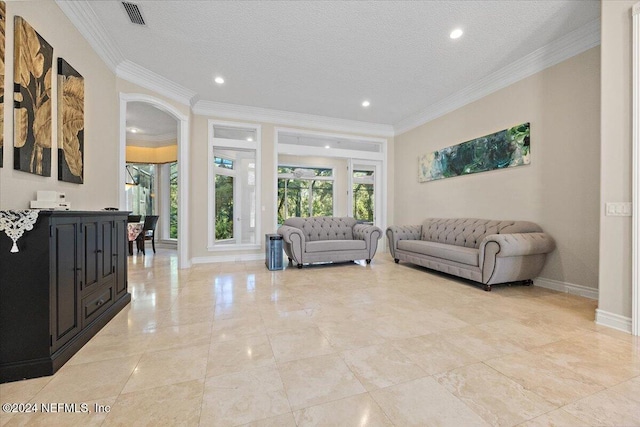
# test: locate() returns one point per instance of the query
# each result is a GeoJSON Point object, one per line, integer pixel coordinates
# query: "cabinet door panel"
{"type": "Point", "coordinates": [65, 289]}
{"type": "Point", "coordinates": [106, 250]}
{"type": "Point", "coordinates": [120, 251]}
{"type": "Point", "coordinates": [91, 236]}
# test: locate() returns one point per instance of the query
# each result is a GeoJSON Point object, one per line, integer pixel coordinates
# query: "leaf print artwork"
{"type": "Point", "coordinates": [3, 19]}
{"type": "Point", "coordinates": [70, 123]}
{"type": "Point", "coordinates": [33, 60]}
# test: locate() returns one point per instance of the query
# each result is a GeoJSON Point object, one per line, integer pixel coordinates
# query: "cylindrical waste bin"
{"type": "Point", "coordinates": [273, 251]}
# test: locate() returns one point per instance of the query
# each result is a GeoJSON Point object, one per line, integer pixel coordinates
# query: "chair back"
{"type": "Point", "coordinates": [150, 222]}
{"type": "Point", "coordinates": [134, 218]}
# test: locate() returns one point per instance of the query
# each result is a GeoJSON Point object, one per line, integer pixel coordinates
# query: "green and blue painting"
{"type": "Point", "coordinates": [505, 149]}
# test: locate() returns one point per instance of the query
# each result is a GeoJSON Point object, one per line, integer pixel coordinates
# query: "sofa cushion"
{"type": "Point", "coordinates": [459, 254]}
{"type": "Point", "coordinates": [335, 245]}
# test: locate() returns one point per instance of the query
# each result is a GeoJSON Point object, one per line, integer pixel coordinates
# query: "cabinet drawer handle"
{"type": "Point", "coordinates": [100, 302]}
{"type": "Point", "coordinates": [78, 269]}
{"type": "Point", "coordinates": [99, 251]}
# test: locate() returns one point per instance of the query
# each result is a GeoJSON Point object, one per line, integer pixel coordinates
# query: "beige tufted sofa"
{"type": "Point", "coordinates": [328, 239]}
{"type": "Point", "coordinates": [481, 250]}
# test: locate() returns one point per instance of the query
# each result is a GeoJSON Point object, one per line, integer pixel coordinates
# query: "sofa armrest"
{"type": "Point", "coordinates": [496, 246]}
{"type": "Point", "coordinates": [519, 244]}
{"type": "Point", "coordinates": [396, 233]}
{"type": "Point", "coordinates": [294, 242]}
{"type": "Point", "coordinates": [370, 234]}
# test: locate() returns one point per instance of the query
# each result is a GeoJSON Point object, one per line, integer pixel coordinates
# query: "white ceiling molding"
{"type": "Point", "coordinates": [141, 76]}
{"type": "Point", "coordinates": [257, 114]}
{"type": "Point", "coordinates": [572, 44]}
{"type": "Point", "coordinates": [85, 20]}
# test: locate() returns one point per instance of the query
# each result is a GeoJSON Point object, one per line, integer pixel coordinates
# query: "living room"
{"type": "Point", "coordinates": [575, 92]}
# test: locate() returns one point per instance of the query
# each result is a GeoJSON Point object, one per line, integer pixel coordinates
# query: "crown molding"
{"type": "Point", "coordinates": [257, 114]}
{"type": "Point", "coordinates": [571, 44]}
{"type": "Point", "coordinates": [635, 10]}
{"type": "Point", "coordinates": [86, 21]}
{"type": "Point", "coordinates": [141, 76]}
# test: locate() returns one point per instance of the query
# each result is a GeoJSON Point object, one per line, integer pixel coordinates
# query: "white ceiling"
{"type": "Point", "coordinates": [153, 127]}
{"type": "Point", "coordinates": [325, 57]}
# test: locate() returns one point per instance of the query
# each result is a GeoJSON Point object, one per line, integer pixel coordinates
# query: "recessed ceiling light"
{"type": "Point", "coordinates": [365, 103]}
{"type": "Point", "coordinates": [219, 80]}
{"type": "Point", "coordinates": [134, 130]}
{"type": "Point", "coordinates": [327, 146]}
{"type": "Point", "coordinates": [250, 139]}
{"type": "Point", "coordinates": [456, 34]}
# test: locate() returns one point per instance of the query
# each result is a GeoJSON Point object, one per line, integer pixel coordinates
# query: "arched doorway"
{"type": "Point", "coordinates": [183, 164]}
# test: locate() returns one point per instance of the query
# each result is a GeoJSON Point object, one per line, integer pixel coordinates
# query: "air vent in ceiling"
{"type": "Point", "coordinates": [134, 13]}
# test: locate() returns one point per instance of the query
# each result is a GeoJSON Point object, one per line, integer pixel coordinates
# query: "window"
{"type": "Point", "coordinates": [141, 195]}
{"type": "Point", "coordinates": [233, 187]}
{"type": "Point", "coordinates": [363, 196]}
{"type": "Point", "coordinates": [173, 200]}
{"type": "Point", "coordinates": [304, 192]}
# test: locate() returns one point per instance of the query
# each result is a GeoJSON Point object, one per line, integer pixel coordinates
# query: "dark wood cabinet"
{"type": "Point", "coordinates": [66, 282]}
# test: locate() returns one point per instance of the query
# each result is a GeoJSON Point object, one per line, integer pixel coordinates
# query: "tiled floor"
{"type": "Point", "coordinates": [351, 344]}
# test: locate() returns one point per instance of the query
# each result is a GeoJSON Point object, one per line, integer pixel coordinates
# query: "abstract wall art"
{"type": "Point", "coordinates": [504, 149]}
{"type": "Point", "coordinates": [33, 61]}
{"type": "Point", "coordinates": [3, 20]}
{"type": "Point", "coordinates": [70, 123]}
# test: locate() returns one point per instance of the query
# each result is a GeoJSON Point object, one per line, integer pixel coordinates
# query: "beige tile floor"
{"type": "Point", "coordinates": [354, 345]}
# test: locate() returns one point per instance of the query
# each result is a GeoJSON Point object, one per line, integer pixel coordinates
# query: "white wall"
{"type": "Point", "coordinates": [615, 232]}
{"type": "Point", "coordinates": [100, 188]}
{"type": "Point", "coordinates": [558, 190]}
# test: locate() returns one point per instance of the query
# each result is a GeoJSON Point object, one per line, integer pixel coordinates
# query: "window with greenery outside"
{"type": "Point", "coordinates": [363, 196]}
{"type": "Point", "coordinates": [224, 201]}
{"type": "Point", "coordinates": [173, 200]}
{"type": "Point", "coordinates": [140, 197]}
{"type": "Point", "coordinates": [304, 192]}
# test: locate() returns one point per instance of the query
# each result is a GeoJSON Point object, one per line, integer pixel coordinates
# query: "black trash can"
{"type": "Point", "coordinates": [273, 251]}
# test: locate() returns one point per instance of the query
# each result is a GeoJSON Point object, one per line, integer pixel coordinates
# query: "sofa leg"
{"type": "Point", "coordinates": [487, 288]}
{"type": "Point", "coordinates": [368, 261]}
{"type": "Point", "coordinates": [299, 265]}
{"type": "Point", "coordinates": [528, 282]}
{"type": "Point", "coordinates": [396, 260]}
{"type": "Point", "coordinates": [290, 261]}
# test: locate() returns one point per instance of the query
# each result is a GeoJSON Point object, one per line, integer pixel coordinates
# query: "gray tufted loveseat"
{"type": "Point", "coordinates": [328, 239]}
{"type": "Point", "coordinates": [481, 250]}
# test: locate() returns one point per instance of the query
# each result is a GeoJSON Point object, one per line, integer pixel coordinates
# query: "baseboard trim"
{"type": "Point", "coordinates": [227, 258]}
{"type": "Point", "coordinates": [569, 288]}
{"type": "Point", "coordinates": [614, 321]}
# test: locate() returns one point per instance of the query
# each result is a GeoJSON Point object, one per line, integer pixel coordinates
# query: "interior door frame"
{"type": "Point", "coordinates": [183, 165]}
{"type": "Point", "coordinates": [635, 143]}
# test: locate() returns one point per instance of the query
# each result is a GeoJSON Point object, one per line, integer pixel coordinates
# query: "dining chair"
{"type": "Point", "coordinates": [134, 218]}
{"type": "Point", "coordinates": [148, 232]}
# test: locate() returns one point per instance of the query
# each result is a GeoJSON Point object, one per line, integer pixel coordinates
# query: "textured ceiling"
{"type": "Point", "coordinates": [154, 127]}
{"type": "Point", "coordinates": [326, 57]}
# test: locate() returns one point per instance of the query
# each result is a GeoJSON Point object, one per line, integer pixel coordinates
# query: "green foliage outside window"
{"type": "Point", "coordinates": [173, 200]}
{"type": "Point", "coordinates": [294, 198]}
{"type": "Point", "coordinates": [224, 207]}
{"type": "Point", "coordinates": [363, 202]}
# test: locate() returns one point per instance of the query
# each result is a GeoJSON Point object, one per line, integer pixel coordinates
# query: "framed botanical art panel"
{"type": "Point", "coordinates": [70, 123]}
{"type": "Point", "coordinates": [33, 61]}
{"type": "Point", "coordinates": [3, 20]}
{"type": "Point", "coordinates": [505, 149]}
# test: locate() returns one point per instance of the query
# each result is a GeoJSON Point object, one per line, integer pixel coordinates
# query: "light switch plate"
{"type": "Point", "coordinates": [618, 209]}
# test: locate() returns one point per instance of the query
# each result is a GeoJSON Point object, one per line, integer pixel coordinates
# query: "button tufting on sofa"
{"type": "Point", "coordinates": [498, 252]}
{"type": "Point", "coordinates": [330, 239]}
